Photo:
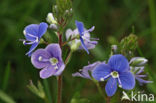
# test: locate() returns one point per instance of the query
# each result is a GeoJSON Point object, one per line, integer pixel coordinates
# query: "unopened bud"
{"type": "Point", "coordinates": [50, 19]}
{"type": "Point", "coordinates": [53, 26]}
{"type": "Point", "coordinates": [114, 49]}
{"type": "Point", "coordinates": [138, 61]}
{"type": "Point", "coordinates": [67, 11]}
{"type": "Point", "coordinates": [71, 10]}
{"type": "Point", "coordinates": [75, 45]}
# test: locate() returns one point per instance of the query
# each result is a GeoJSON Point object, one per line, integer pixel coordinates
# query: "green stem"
{"type": "Point", "coordinates": [101, 92]}
{"type": "Point", "coordinates": [68, 57]}
{"type": "Point", "coordinates": [63, 44]}
{"type": "Point", "coordinates": [99, 89]}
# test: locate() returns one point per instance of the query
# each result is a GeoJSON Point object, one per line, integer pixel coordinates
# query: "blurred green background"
{"type": "Point", "coordinates": [113, 20]}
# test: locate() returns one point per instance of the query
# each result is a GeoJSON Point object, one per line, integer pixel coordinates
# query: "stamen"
{"type": "Point", "coordinates": [24, 32]}
{"type": "Point", "coordinates": [103, 78]}
{"type": "Point", "coordinates": [37, 40]}
{"type": "Point", "coordinates": [119, 81]}
{"type": "Point", "coordinates": [40, 58]}
{"type": "Point", "coordinates": [32, 35]}
{"type": "Point", "coordinates": [80, 70]}
{"type": "Point", "coordinates": [56, 67]}
{"type": "Point", "coordinates": [26, 42]}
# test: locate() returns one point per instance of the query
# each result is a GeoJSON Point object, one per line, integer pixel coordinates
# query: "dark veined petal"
{"type": "Point", "coordinates": [42, 29]}
{"type": "Point", "coordinates": [127, 80]}
{"type": "Point", "coordinates": [85, 71]}
{"type": "Point", "coordinates": [33, 46]}
{"type": "Point", "coordinates": [119, 63]}
{"type": "Point", "coordinates": [54, 50]}
{"type": "Point", "coordinates": [32, 29]}
{"type": "Point", "coordinates": [47, 72]}
{"type": "Point", "coordinates": [111, 86]}
{"type": "Point", "coordinates": [83, 45]}
{"type": "Point", "coordinates": [80, 27]}
{"type": "Point", "coordinates": [37, 58]}
{"type": "Point", "coordinates": [101, 71]}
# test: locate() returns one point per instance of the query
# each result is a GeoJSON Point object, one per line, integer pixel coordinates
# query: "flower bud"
{"type": "Point", "coordinates": [53, 26]}
{"type": "Point", "coordinates": [71, 10]}
{"type": "Point", "coordinates": [138, 61]}
{"type": "Point", "coordinates": [50, 19]}
{"type": "Point", "coordinates": [114, 49]}
{"type": "Point", "coordinates": [75, 45]}
{"type": "Point", "coordinates": [67, 11]}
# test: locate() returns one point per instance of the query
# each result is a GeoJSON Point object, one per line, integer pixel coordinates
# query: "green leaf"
{"type": "Point", "coordinates": [37, 90]}
{"type": "Point", "coordinates": [76, 99]}
{"type": "Point", "coordinates": [6, 76]}
{"type": "Point", "coordinates": [47, 90]}
{"type": "Point", "coordinates": [4, 97]}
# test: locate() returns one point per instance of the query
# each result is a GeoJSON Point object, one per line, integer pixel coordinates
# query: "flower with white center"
{"type": "Point", "coordinates": [33, 34]}
{"type": "Point", "coordinates": [117, 70]}
{"type": "Point", "coordinates": [49, 60]}
{"type": "Point", "coordinates": [82, 38]}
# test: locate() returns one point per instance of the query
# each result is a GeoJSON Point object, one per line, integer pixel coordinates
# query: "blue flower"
{"type": "Point", "coordinates": [33, 34]}
{"type": "Point", "coordinates": [49, 60]}
{"type": "Point", "coordinates": [117, 70]}
{"type": "Point", "coordinates": [84, 38]}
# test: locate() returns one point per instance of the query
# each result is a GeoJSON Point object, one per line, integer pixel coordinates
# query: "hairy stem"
{"type": "Point", "coordinates": [59, 89]}
{"type": "Point", "coordinates": [108, 100]}
{"type": "Point", "coordinates": [68, 41]}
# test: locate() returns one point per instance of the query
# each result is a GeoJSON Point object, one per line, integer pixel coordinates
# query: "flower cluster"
{"type": "Point", "coordinates": [50, 58]}
{"type": "Point", "coordinates": [118, 71]}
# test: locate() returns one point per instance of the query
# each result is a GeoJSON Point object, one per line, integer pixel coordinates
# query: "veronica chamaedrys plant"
{"type": "Point", "coordinates": [81, 36]}
{"type": "Point", "coordinates": [33, 34]}
{"type": "Point", "coordinates": [117, 70]}
{"type": "Point", "coordinates": [49, 60]}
